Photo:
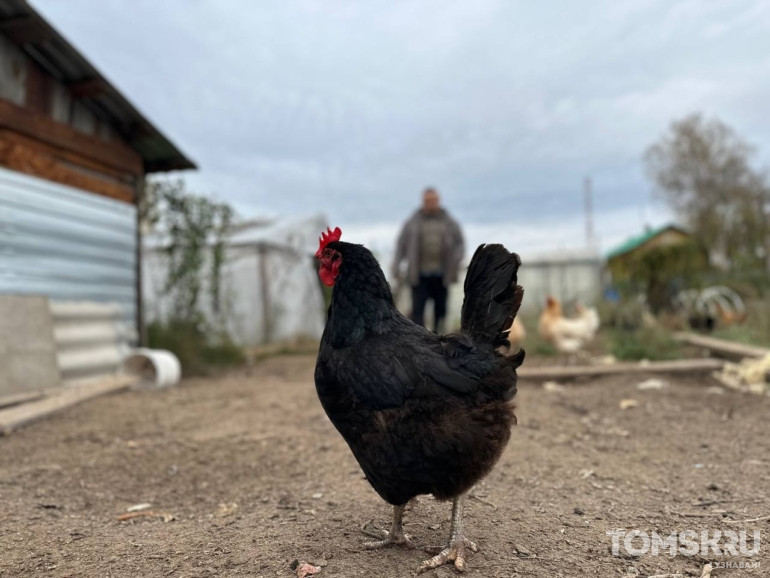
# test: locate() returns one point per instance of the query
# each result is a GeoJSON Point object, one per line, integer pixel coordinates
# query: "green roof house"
{"type": "Point", "coordinates": [622, 259]}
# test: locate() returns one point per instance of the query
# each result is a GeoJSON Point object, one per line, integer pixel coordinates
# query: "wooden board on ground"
{"type": "Point", "coordinates": [722, 347]}
{"type": "Point", "coordinates": [61, 398]}
{"type": "Point", "coordinates": [17, 398]}
{"type": "Point", "coordinates": [570, 372]}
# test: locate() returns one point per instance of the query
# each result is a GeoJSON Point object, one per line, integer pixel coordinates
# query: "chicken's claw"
{"type": "Point", "coordinates": [396, 537]}
{"type": "Point", "coordinates": [389, 539]}
{"type": "Point", "coordinates": [455, 552]}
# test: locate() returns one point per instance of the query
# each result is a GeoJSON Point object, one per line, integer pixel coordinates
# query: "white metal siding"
{"type": "Point", "coordinates": [66, 244]}
{"type": "Point", "coordinates": [572, 278]}
{"type": "Point", "coordinates": [578, 280]}
{"type": "Point", "coordinates": [91, 338]}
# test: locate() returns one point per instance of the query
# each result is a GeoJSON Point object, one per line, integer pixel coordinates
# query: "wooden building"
{"type": "Point", "coordinates": [74, 153]}
{"type": "Point", "coordinates": [622, 261]}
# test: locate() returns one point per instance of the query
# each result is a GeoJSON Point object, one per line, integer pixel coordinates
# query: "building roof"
{"type": "Point", "coordinates": [21, 24]}
{"type": "Point", "coordinates": [639, 240]}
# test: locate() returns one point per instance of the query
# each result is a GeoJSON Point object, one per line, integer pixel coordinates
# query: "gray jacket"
{"type": "Point", "coordinates": [408, 248]}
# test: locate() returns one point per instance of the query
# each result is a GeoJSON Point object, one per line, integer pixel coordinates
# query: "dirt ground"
{"type": "Point", "coordinates": [256, 477]}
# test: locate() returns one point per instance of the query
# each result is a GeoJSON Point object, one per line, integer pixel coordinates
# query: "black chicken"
{"type": "Point", "coordinates": [422, 413]}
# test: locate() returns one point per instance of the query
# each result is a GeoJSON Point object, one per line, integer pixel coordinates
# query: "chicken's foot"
{"type": "Point", "coordinates": [396, 536]}
{"type": "Point", "coordinates": [458, 544]}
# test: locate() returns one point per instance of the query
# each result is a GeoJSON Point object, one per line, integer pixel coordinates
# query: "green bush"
{"type": "Point", "coordinates": [661, 272]}
{"type": "Point", "coordinates": [541, 347]}
{"type": "Point", "coordinates": [198, 351]}
{"type": "Point", "coordinates": [627, 315]}
{"type": "Point", "coordinates": [652, 343]}
{"type": "Point", "coordinates": [533, 343]}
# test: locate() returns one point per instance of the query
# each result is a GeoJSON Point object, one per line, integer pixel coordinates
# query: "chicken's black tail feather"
{"type": "Point", "coordinates": [492, 296]}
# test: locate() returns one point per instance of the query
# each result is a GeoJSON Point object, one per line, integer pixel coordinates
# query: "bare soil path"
{"type": "Point", "coordinates": [254, 477]}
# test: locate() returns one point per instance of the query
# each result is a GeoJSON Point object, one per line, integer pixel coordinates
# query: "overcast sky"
{"type": "Point", "coordinates": [351, 108]}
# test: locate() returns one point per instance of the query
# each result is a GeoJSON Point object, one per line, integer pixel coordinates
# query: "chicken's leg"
{"type": "Point", "coordinates": [455, 550]}
{"type": "Point", "coordinates": [395, 537]}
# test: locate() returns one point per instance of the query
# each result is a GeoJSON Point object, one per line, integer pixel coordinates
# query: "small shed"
{"type": "Point", "coordinates": [569, 275]}
{"type": "Point", "coordinates": [270, 286]}
{"type": "Point", "coordinates": [621, 260]}
{"type": "Point", "coordinates": [74, 153]}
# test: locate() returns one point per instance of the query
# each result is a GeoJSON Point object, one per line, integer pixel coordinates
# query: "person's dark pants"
{"type": "Point", "coordinates": [430, 287]}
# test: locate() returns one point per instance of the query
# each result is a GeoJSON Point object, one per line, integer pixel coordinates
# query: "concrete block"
{"type": "Point", "coordinates": [27, 347]}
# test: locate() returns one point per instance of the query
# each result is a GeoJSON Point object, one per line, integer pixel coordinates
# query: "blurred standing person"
{"type": "Point", "coordinates": [432, 245]}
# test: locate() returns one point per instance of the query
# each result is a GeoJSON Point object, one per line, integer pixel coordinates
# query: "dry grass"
{"type": "Point", "coordinates": [755, 330]}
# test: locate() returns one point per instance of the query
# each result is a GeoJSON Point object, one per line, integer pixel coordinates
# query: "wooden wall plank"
{"type": "Point", "coordinates": [706, 365]}
{"type": "Point", "coordinates": [69, 157]}
{"type": "Point", "coordinates": [42, 128]}
{"type": "Point", "coordinates": [722, 347]}
{"type": "Point", "coordinates": [62, 398]}
{"type": "Point", "coordinates": [19, 398]}
{"type": "Point", "coordinates": [26, 156]}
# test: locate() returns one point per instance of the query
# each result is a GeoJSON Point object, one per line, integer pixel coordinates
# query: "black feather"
{"type": "Point", "coordinates": [421, 413]}
{"type": "Point", "coordinates": [492, 297]}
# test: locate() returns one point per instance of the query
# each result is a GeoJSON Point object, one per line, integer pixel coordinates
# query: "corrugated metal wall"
{"type": "Point", "coordinates": [66, 244]}
{"type": "Point", "coordinates": [91, 338]}
{"type": "Point", "coordinates": [572, 276]}
{"type": "Point", "coordinates": [578, 279]}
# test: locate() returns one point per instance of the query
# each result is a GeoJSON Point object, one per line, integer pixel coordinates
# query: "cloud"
{"type": "Point", "coordinates": [529, 239]}
{"type": "Point", "coordinates": [352, 108]}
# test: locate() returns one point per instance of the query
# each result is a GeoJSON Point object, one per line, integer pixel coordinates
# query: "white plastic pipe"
{"type": "Point", "coordinates": [157, 368]}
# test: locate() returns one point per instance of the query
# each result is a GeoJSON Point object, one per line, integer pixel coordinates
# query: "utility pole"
{"type": "Point", "coordinates": [589, 211]}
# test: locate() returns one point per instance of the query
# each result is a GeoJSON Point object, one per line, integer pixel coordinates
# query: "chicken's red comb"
{"type": "Point", "coordinates": [328, 237]}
